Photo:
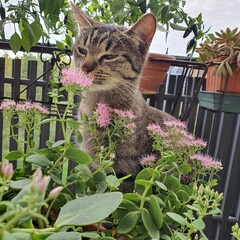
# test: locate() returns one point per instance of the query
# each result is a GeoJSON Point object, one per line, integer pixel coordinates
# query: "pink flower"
{"type": "Point", "coordinates": [38, 107]}
{"type": "Point", "coordinates": [7, 169]}
{"type": "Point", "coordinates": [103, 112]}
{"type": "Point", "coordinates": [156, 129]}
{"type": "Point", "coordinates": [43, 184]}
{"type": "Point", "coordinates": [148, 159]}
{"type": "Point", "coordinates": [207, 161]}
{"type": "Point", "coordinates": [175, 123]}
{"type": "Point", "coordinates": [28, 106]}
{"type": "Point", "coordinates": [73, 77]}
{"type": "Point", "coordinates": [124, 113]}
{"type": "Point", "coordinates": [7, 105]}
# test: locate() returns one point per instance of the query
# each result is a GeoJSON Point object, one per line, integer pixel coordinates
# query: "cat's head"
{"type": "Point", "coordinates": [109, 54]}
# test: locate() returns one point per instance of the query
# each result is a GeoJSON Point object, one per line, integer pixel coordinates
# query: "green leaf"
{"type": "Point", "coordinates": [183, 196]}
{"type": "Point", "coordinates": [161, 185]}
{"type": "Point", "coordinates": [112, 182]}
{"type": "Point", "coordinates": [91, 235]}
{"type": "Point", "coordinates": [16, 236]}
{"type": "Point", "coordinates": [39, 160]}
{"type": "Point", "coordinates": [198, 224]}
{"type": "Point", "coordinates": [156, 211]}
{"type": "Point", "coordinates": [65, 236]}
{"type": "Point", "coordinates": [172, 183]}
{"type": "Point", "coordinates": [37, 31]}
{"type": "Point", "coordinates": [150, 224]}
{"type": "Point", "coordinates": [27, 37]}
{"type": "Point", "coordinates": [60, 45]}
{"type": "Point", "coordinates": [181, 236]}
{"type": "Point", "coordinates": [78, 156]}
{"type": "Point", "coordinates": [88, 209]}
{"type": "Point", "coordinates": [142, 182]}
{"type": "Point", "coordinates": [15, 42]}
{"type": "Point", "coordinates": [128, 222]}
{"type": "Point", "coordinates": [185, 168]}
{"type": "Point", "coordinates": [58, 143]}
{"type": "Point", "coordinates": [20, 184]}
{"type": "Point", "coordinates": [178, 218]}
{"type": "Point", "coordinates": [73, 123]}
{"type": "Point", "coordinates": [14, 155]}
{"type": "Point", "coordinates": [79, 136]}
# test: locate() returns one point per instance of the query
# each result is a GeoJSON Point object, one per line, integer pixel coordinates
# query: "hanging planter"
{"type": "Point", "coordinates": [154, 73]}
{"type": "Point", "coordinates": [219, 102]}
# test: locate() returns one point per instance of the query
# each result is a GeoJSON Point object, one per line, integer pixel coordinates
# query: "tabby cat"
{"type": "Point", "coordinates": [114, 57]}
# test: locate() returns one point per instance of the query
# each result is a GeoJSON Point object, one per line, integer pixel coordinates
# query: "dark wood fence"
{"type": "Point", "coordinates": [177, 96]}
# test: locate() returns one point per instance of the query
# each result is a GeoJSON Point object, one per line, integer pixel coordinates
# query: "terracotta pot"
{"type": "Point", "coordinates": [154, 73]}
{"type": "Point", "coordinates": [216, 83]}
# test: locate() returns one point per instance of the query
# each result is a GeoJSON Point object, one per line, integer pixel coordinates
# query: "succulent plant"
{"type": "Point", "coordinates": [221, 49]}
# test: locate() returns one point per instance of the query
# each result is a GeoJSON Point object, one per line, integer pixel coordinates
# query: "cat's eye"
{"type": "Point", "coordinates": [82, 51]}
{"type": "Point", "coordinates": [108, 56]}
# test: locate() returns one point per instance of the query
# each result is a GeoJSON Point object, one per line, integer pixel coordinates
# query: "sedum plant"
{"type": "Point", "coordinates": [221, 49]}
{"type": "Point", "coordinates": [172, 193]}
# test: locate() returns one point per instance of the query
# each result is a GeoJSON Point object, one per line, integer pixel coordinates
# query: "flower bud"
{"type": "Point", "coordinates": [7, 169]}
{"type": "Point", "coordinates": [43, 184]}
{"type": "Point", "coordinates": [55, 192]}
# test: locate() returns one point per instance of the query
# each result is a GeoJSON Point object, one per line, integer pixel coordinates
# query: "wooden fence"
{"type": "Point", "coordinates": [177, 96]}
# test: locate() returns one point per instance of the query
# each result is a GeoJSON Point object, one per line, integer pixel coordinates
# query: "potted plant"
{"type": "Point", "coordinates": [221, 51]}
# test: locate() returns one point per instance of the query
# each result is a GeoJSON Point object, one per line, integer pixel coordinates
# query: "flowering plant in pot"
{"type": "Point", "coordinates": [221, 51]}
{"type": "Point", "coordinates": [172, 194]}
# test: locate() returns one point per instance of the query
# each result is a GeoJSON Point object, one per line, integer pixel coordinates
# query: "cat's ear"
{"type": "Point", "coordinates": [145, 28]}
{"type": "Point", "coordinates": [82, 19]}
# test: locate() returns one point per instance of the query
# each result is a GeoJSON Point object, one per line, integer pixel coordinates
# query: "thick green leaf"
{"type": "Point", "coordinates": [58, 143]}
{"type": "Point", "coordinates": [172, 183]}
{"type": "Point", "coordinates": [91, 235]}
{"type": "Point", "coordinates": [88, 209]}
{"type": "Point", "coordinates": [156, 211]}
{"type": "Point", "coordinates": [128, 222]}
{"type": "Point", "coordinates": [198, 224]}
{"type": "Point", "coordinates": [150, 224]}
{"type": "Point", "coordinates": [78, 156]}
{"type": "Point", "coordinates": [16, 236]}
{"type": "Point", "coordinates": [39, 160]}
{"type": "Point", "coordinates": [20, 184]}
{"type": "Point", "coordinates": [15, 42]}
{"type": "Point", "coordinates": [14, 155]}
{"type": "Point", "coordinates": [178, 218]}
{"type": "Point", "coordinates": [65, 236]}
{"type": "Point", "coordinates": [161, 185]}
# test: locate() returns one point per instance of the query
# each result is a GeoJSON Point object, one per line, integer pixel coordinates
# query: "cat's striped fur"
{"type": "Point", "coordinates": [114, 58]}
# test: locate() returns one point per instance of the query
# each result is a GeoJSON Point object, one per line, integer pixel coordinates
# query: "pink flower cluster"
{"type": "Point", "coordinates": [175, 123]}
{"type": "Point", "coordinates": [105, 113]}
{"type": "Point", "coordinates": [148, 159]}
{"type": "Point", "coordinates": [207, 161]}
{"type": "Point", "coordinates": [23, 106]}
{"type": "Point", "coordinates": [73, 77]}
{"type": "Point", "coordinates": [156, 129]}
{"type": "Point", "coordinates": [8, 105]}
{"type": "Point", "coordinates": [29, 106]}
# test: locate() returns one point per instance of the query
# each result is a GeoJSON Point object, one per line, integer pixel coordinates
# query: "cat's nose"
{"type": "Point", "coordinates": [89, 66]}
